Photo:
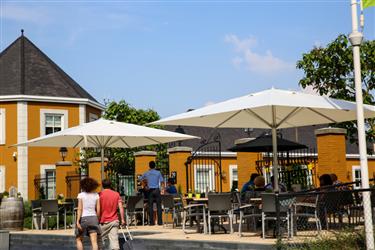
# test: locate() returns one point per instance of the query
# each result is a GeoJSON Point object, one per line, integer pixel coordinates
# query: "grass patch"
{"type": "Point", "coordinates": [343, 240]}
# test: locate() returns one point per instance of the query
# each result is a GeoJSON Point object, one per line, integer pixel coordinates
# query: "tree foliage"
{"type": "Point", "coordinates": [122, 160]}
{"type": "Point", "coordinates": [329, 70]}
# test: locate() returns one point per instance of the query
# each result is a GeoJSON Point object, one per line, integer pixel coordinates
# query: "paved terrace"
{"type": "Point", "coordinates": [145, 237]}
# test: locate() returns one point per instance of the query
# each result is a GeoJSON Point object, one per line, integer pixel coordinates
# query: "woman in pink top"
{"type": "Point", "coordinates": [88, 213]}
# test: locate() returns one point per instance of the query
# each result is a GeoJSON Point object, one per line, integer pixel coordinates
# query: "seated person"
{"type": "Point", "coordinates": [259, 183]}
{"type": "Point", "coordinates": [269, 186]}
{"type": "Point", "coordinates": [171, 188]}
{"type": "Point", "coordinates": [248, 186]}
{"type": "Point", "coordinates": [337, 183]}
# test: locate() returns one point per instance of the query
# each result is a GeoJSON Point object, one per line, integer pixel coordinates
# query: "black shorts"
{"type": "Point", "coordinates": [89, 224]}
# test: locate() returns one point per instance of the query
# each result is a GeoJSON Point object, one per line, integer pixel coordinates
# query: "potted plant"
{"type": "Point", "coordinates": [60, 198]}
{"type": "Point", "coordinates": [5, 194]}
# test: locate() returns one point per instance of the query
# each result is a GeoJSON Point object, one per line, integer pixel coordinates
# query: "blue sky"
{"type": "Point", "coordinates": [176, 55]}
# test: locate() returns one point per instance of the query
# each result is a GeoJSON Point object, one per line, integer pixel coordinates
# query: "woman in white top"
{"type": "Point", "coordinates": [88, 213]}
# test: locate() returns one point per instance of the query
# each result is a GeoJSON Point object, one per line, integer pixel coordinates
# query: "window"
{"type": "Point", "coordinates": [204, 177]}
{"type": "Point", "coordinates": [233, 177]}
{"type": "Point", "coordinates": [2, 126]}
{"type": "Point", "coordinates": [52, 121]}
{"type": "Point", "coordinates": [48, 181]}
{"type": "Point", "coordinates": [2, 179]}
{"type": "Point", "coordinates": [356, 174]}
{"type": "Point", "coordinates": [93, 117]}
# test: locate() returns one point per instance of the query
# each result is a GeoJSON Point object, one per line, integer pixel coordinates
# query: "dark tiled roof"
{"type": "Point", "coordinates": [304, 135]}
{"type": "Point", "coordinates": [26, 70]}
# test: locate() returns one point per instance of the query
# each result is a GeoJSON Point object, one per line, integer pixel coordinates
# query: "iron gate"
{"type": "Point", "coordinates": [203, 167]}
{"type": "Point", "coordinates": [295, 167]}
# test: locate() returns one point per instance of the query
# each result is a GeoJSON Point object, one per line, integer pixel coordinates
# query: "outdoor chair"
{"type": "Point", "coordinates": [70, 208]}
{"type": "Point", "coordinates": [236, 204]}
{"type": "Point", "coordinates": [336, 205]}
{"type": "Point", "coordinates": [134, 206]}
{"type": "Point", "coordinates": [193, 212]}
{"type": "Point", "coordinates": [269, 211]}
{"type": "Point", "coordinates": [50, 208]}
{"type": "Point", "coordinates": [170, 207]}
{"type": "Point", "coordinates": [36, 214]}
{"type": "Point", "coordinates": [248, 211]}
{"type": "Point", "coordinates": [220, 206]}
{"type": "Point", "coordinates": [307, 210]}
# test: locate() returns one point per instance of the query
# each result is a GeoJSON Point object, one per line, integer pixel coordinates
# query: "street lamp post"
{"type": "Point", "coordinates": [356, 38]}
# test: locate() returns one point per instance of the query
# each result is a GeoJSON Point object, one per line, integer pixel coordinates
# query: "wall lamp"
{"type": "Point", "coordinates": [63, 152]}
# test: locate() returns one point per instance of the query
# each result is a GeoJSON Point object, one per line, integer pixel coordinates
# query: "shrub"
{"type": "Point", "coordinates": [344, 240]}
{"type": "Point", "coordinates": [27, 212]}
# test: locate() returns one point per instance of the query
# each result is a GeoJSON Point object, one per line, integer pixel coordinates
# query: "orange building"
{"type": "Point", "coordinates": [36, 98]}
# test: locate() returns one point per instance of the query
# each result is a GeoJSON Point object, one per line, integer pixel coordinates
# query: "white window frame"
{"type": "Point", "coordinates": [2, 126]}
{"type": "Point", "coordinates": [43, 169]}
{"type": "Point", "coordinates": [93, 117]}
{"type": "Point", "coordinates": [354, 170]}
{"type": "Point", "coordinates": [211, 172]}
{"type": "Point", "coordinates": [2, 178]}
{"type": "Point", "coordinates": [231, 168]}
{"type": "Point", "coordinates": [44, 112]}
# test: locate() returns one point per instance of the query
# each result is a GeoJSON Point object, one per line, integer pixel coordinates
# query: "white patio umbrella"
{"type": "Point", "coordinates": [107, 134]}
{"type": "Point", "coordinates": [272, 109]}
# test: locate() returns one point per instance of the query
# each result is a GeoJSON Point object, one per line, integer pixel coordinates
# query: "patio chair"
{"type": "Point", "coordinates": [134, 206]}
{"type": "Point", "coordinates": [307, 210]}
{"type": "Point", "coordinates": [248, 211]}
{"type": "Point", "coordinates": [70, 208]}
{"type": "Point", "coordinates": [220, 206]}
{"type": "Point", "coordinates": [170, 207]}
{"type": "Point", "coordinates": [269, 211]}
{"type": "Point", "coordinates": [36, 214]}
{"type": "Point", "coordinates": [193, 212]}
{"type": "Point", "coordinates": [50, 208]}
{"type": "Point", "coordinates": [336, 205]}
{"type": "Point", "coordinates": [236, 204]}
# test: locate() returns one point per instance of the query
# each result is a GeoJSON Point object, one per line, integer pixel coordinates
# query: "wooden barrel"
{"type": "Point", "coordinates": [11, 214]}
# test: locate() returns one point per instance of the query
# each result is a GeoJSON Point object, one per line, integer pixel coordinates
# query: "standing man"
{"type": "Point", "coordinates": [154, 180]}
{"type": "Point", "coordinates": [110, 201]}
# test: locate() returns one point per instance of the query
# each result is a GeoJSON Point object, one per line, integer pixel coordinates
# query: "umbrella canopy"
{"type": "Point", "coordinates": [105, 133]}
{"type": "Point", "coordinates": [273, 109]}
{"type": "Point", "coordinates": [264, 144]}
{"type": "Point", "coordinates": [290, 108]}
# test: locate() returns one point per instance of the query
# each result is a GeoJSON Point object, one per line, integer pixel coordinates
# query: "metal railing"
{"type": "Point", "coordinates": [203, 167]}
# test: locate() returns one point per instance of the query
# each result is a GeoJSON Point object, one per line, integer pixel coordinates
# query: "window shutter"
{"type": "Point", "coordinates": [2, 126]}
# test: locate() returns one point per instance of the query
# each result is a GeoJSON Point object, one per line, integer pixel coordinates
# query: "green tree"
{"type": "Point", "coordinates": [122, 160]}
{"type": "Point", "coordinates": [329, 70]}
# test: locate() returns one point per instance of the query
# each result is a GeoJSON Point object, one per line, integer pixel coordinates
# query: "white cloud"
{"type": "Point", "coordinates": [22, 14]}
{"type": "Point", "coordinates": [255, 62]}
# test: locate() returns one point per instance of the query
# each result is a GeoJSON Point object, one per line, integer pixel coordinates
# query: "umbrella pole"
{"type": "Point", "coordinates": [274, 152]}
{"type": "Point", "coordinates": [356, 39]}
{"type": "Point", "coordinates": [102, 163]}
{"type": "Point", "coordinates": [275, 161]}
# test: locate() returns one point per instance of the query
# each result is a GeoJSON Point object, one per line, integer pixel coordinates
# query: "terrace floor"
{"type": "Point", "coordinates": [145, 237]}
